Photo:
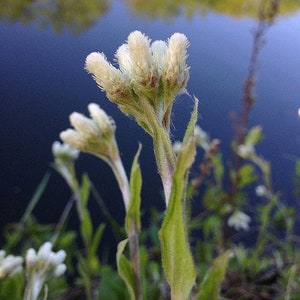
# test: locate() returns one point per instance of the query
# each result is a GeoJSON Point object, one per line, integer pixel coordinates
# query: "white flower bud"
{"type": "Point", "coordinates": [176, 72]}
{"type": "Point", "coordinates": [58, 257]}
{"type": "Point", "coordinates": [159, 50]}
{"type": "Point", "coordinates": [246, 151]}
{"type": "Point", "coordinates": [104, 122]}
{"type": "Point", "coordinates": [31, 257]}
{"type": "Point", "coordinates": [239, 220]}
{"type": "Point", "coordinates": [104, 73]}
{"type": "Point", "coordinates": [261, 191]}
{"type": "Point", "coordinates": [84, 125]}
{"type": "Point", "coordinates": [124, 60]}
{"type": "Point", "coordinates": [75, 139]}
{"type": "Point", "coordinates": [141, 56]}
{"type": "Point", "coordinates": [9, 265]}
{"type": "Point", "coordinates": [64, 152]}
{"type": "Point", "coordinates": [59, 270]}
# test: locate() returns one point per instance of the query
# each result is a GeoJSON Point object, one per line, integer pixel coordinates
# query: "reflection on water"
{"type": "Point", "coordinates": [76, 15]}
{"type": "Point", "coordinates": [234, 8]}
{"type": "Point", "coordinates": [79, 15]}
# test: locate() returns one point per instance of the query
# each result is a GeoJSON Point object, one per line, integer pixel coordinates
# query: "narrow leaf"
{"type": "Point", "coordinates": [254, 135]}
{"type": "Point", "coordinates": [211, 284]}
{"type": "Point", "coordinates": [97, 238]}
{"type": "Point", "coordinates": [84, 190]}
{"type": "Point", "coordinates": [176, 255]}
{"type": "Point", "coordinates": [125, 269]}
{"type": "Point", "coordinates": [191, 126]}
{"type": "Point", "coordinates": [133, 214]}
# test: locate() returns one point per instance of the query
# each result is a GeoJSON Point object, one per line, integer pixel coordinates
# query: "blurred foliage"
{"type": "Point", "coordinates": [234, 8]}
{"type": "Point", "coordinates": [79, 15]}
{"type": "Point", "coordinates": [75, 15]}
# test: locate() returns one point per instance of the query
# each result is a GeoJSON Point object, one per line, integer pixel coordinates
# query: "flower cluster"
{"type": "Point", "coordinates": [9, 265]}
{"type": "Point", "coordinates": [239, 220]}
{"type": "Point", "coordinates": [261, 191]}
{"type": "Point", "coordinates": [64, 153]}
{"type": "Point", "coordinates": [41, 266]}
{"type": "Point", "coordinates": [95, 135]}
{"type": "Point", "coordinates": [148, 79]}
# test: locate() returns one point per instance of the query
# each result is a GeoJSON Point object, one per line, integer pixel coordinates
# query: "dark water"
{"type": "Point", "coordinates": [42, 81]}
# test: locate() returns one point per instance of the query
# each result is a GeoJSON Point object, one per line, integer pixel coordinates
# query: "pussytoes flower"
{"type": "Point", "coordinates": [41, 266]}
{"type": "Point", "coordinates": [149, 77]}
{"type": "Point", "coordinates": [9, 265]}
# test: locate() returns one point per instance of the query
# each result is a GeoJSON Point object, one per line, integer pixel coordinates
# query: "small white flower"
{"type": "Point", "coordinates": [9, 265]}
{"type": "Point", "coordinates": [239, 220]}
{"type": "Point", "coordinates": [64, 152]}
{"type": "Point", "coordinates": [105, 123]}
{"type": "Point", "coordinates": [201, 138]}
{"type": "Point", "coordinates": [41, 266]}
{"type": "Point", "coordinates": [177, 147]}
{"type": "Point", "coordinates": [95, 135]}
{"type": "Point", "coordinates": [246, 150]}
{"type": "Point", "coordinates": [261, 191]}
{"type": "Point", "coordinates": [104, 73]}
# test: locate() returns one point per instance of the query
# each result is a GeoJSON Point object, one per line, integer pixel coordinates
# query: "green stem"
{"type": "Point", "coordinates": [165, 158]}
{"type": "Point", "coordinates": [121, 177]}
{"type": "Point", "coordinates": [120, 174]}
{"type": "Point", "coordinates": [163, 151]}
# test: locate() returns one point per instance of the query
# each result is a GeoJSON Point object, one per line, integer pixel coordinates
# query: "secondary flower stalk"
{"type": "Point", "coordinates": [96, 135]}
{"type": "Point", "coordinates": [41, 266]}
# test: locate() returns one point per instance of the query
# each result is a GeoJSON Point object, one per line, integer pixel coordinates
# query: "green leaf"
{"type": "Point", "coordinates": [247, 175]}
{"type": "Point", "coordinates": [84, 190]}
{"type": "Point", "coordinates": [86, 228]}
{"type": "Point", "coordinates": [133, 214]}
{"type": "Point", "coordinates": [12, 287]}
{"type": "Point", "coordinates": [111, 286]}
{"type": "Point", "coordinates": [96, 239]}
{"type": "Point", "coordinates": [176, 255]}
{"type": "Point", "coordinates": [191, 126]}
{"type": "Point", "coordinates": [211, 284]}
{"type": "Point", "coordinates": [218, 168]}
{"type": "Point", "coordinates": [254, 135]}
{"type": "Point", "coordinates": [125, 269]}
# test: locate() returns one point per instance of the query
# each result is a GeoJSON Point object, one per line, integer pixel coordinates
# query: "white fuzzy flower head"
{"type": "Point", "coordinates": [261, 191]}
{"type": "Point", "coordinates": [239, 220]}
{"type": "Point", "coordinates": [154, 72]}
{"type": "Point", "coordinates": [105, 74]}
{"type": "Point", "coordinates": [141, 57]}
{"type": "Point", "coordinates": [176, 71]}
{"type": "Point", "coordinates": [9, 265]}
{"type": "Point", "coordinates": [41, 266]}
{"type": "Point", "coordinates": [246, 151]}
{"type": "Point", "coordinates": [95, 135]}
{"type": "Point", "coordinates": [64, 152]}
